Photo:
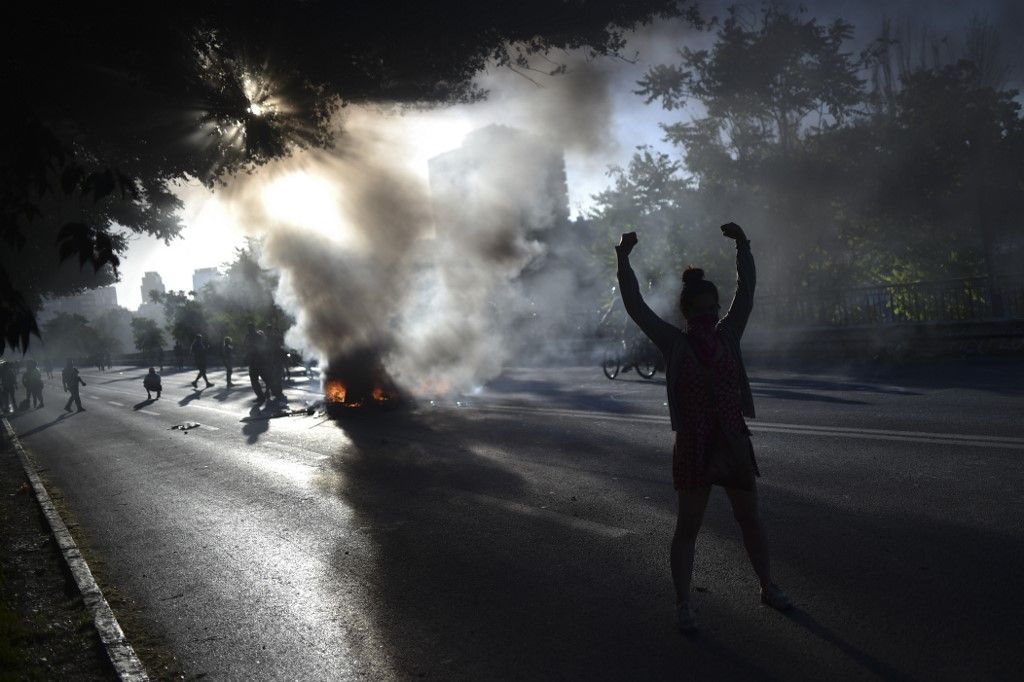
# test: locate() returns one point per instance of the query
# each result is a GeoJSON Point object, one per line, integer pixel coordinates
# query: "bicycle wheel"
{"type": "Point", "coordinates": [610, 366]}
{"type": "Point", "coordinates": [646, 368]}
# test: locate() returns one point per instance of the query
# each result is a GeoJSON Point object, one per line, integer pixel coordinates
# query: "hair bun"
{"type": "Point", "coordinates": [692, 276]}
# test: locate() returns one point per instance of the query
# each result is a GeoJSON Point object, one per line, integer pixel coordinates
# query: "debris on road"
{"type": "Point", "coordinates": [264, 416]}
{"type": "Point", "coordinates": [185, 426]}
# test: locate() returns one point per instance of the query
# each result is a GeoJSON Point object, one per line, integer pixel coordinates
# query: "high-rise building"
{"type": "Point", "coordinates": [152, 281]}
{"type": "Point", "coordinates": [202, 277]}
{"type": "Point", "coordinates": [90, 304]}
{"type": "Point", "coordinates": [500, 178]}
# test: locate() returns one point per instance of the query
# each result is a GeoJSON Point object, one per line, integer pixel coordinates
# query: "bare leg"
{"type": "Point", "coordinates": [744, 508]}
{"type": "Point", "coordinates": [691, 513]}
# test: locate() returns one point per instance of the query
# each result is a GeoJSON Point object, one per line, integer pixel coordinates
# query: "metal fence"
{"type": "Point", "coordinates": [965, 299]}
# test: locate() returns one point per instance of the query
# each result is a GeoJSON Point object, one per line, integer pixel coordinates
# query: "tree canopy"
{"type": "Point", "coordinates": [116, 103]}
{"type": "Point", "coordinates": [855, 168]}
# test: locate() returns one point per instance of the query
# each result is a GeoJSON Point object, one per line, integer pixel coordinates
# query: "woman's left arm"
{"type": "Point", "coordinates": [746, 277]}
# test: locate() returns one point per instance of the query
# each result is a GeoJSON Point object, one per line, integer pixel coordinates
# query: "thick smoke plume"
{"type": "Point", "coordinates": [382, 271]}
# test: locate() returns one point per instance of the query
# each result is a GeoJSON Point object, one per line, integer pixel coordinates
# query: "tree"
{"type": "Point", "coordinates": [767, 86]}
{"type": "Point", "coordinates": [185, 315]}
{"type": "Point", "coordinates": [146, 334]}
{"type": "Point", "coordinates": [245, 295]}
{"type": "Point", "coordinates": [70, 336]}
{"type": "Point", "coordinates": [116, 104]}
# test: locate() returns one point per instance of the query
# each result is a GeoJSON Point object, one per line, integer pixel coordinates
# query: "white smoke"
{"type": "Point", "coordinates": [427, 278]}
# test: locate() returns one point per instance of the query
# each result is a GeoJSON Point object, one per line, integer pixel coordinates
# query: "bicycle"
{"type": "Point", "coordinates": [638, 355]}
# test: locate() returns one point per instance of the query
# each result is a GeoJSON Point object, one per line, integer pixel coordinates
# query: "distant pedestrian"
{"type": "Point", "coordinates": [151, 383]}
{"type": "Point", "coordinates": [33, 382]}
{"type": "Point", "coordinates": [274, 362]}
{"type": "Point", "coordinates": [48, 366]}
{"type": "Point", "coordinates": [708, 396]}
{"type": "Point", "coordinates": [71, 380]}
{"type": "Point", "coordinates": [179, 355]}
{"type": "Point", "coordinates": [254, 359]}
{"type": "Point", "coordinates": [227, 354]}
{"type": "Point", "coordinates": [199, 350]}
{"type": "Point", "coordinates": [8, 384]}
{"type": "Point", "coordinates": [160, 358]}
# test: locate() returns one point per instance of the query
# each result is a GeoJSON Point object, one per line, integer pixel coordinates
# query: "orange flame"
{"type": "Point", "coordinates": [334, 391]}
{"type": "Point", "coordinates": [380, 395]}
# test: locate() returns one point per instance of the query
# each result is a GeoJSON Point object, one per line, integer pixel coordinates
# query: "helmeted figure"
{"type": "Point", "coordinates": [71, 382]}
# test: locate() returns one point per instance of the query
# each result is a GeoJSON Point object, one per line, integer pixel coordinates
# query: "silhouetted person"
{"type": "Point", "coordinates": [8, 383]}
{"type": "Point", "coordinates": [199, 349]}
{"type": "Point", "coordinates": [227, 353]}
{"type": "Point", "coordinates": [151, 382]}
{"type": "Point", "coordinates": [160, 358]}
{"type": "Point", "coordinates": [274, 361]}
{"type": "Point", "coordinates": [48, 366]}
{"type": "Point", "coordinates": [708, 396]}
{"type": "Point", "coordinates": [33, 382]}
{"type": "Point", "coordinates": [179, 355]}
{"type": "Point", "coordinates": [254, 358]}
{"type": "Point", "coordinates": [71, 382]}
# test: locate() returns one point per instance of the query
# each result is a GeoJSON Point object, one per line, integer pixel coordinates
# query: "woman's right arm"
{"type": "Point", "coordinates": [657, 330]}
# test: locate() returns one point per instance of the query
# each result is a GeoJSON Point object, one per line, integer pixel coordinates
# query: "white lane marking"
{"type": "Point", "coordinates": [112, 402]}
{"type": "Point", "coordinates": [1005, 442]}
{"type": "Point", "coordinates": [878, 436]}
{"type": "Point", "coordinates": [557, 517]}
{"type": "Point", "coordinates": [211, 428]}
{"type": "Point", "coordinates": [151, 412]}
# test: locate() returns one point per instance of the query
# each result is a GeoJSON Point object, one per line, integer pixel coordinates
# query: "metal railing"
{"type": "Point", "coordinates": [964, 299]}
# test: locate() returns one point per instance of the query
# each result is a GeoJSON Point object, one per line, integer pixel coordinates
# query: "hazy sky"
{"type": "Point", "coordinates": [210, 236]}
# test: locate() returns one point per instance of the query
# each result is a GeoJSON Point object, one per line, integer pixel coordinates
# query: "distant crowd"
{"type": "Point", "coordinates": [265, 356]}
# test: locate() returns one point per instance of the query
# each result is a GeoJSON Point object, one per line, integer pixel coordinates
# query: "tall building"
{"type": "Point", "coordinates": [90, 304]}
{"type": "Point", "coordinates": [202, 277]}
{"type": "Point", "coordinates": [500, 178]}
{"type": "Point", "coordinates": [502, 197]}
{"type": "Point", "coordinates": [152, 281]}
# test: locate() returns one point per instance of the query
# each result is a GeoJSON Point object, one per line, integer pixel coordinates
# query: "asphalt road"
{"type": "Point", "coordinates": [522, 532]}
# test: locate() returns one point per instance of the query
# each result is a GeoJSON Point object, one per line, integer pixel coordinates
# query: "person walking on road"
{"type": "Point", "coordinates": [273, 362]}
{"type": "Point", "coordinates": [254, 359]}
{"type": "Point", "coordinates": [708, 397]}
{"type": "Point", "coordinates": [151, 382]}
{"type": "Point", "coordinates": [179, 355]}
{"type": "Point", "coordinates": [8, 384]}
{"type": "Point", "coordinates": [71, 382]}
{"type": "Point", "coordinates": [199, 349]}
{"type": "Point", "coordinates": [227, 353]}
{"type": "Point", "coordinates": [33, 382]}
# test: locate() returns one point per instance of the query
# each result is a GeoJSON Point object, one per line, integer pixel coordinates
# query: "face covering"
{"type": "Point", "coordinates": [700, 329]}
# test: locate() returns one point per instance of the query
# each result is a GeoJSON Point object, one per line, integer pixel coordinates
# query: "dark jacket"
{"type": "Point", "coordinates": [668, 337]}
{"type": "Point", "coordinates": [71, 379]}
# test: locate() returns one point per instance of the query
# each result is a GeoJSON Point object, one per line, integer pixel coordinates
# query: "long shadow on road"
{"type": "Point", "coordinates": [470, 588]}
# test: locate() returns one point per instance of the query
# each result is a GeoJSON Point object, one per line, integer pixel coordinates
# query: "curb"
{"type": "Point", "coordinates": [126, 663]}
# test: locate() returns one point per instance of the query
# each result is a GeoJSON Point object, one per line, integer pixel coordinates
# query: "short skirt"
{"type": "Point", "coordinates": [689, 462]}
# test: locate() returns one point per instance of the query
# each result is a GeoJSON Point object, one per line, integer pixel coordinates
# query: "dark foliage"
{"type": "Point", "coordinates": [113, 103]}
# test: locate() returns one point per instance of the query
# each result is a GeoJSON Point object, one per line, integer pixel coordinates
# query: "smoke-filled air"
{"type": "Point", "coordinates": [424, 274]}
